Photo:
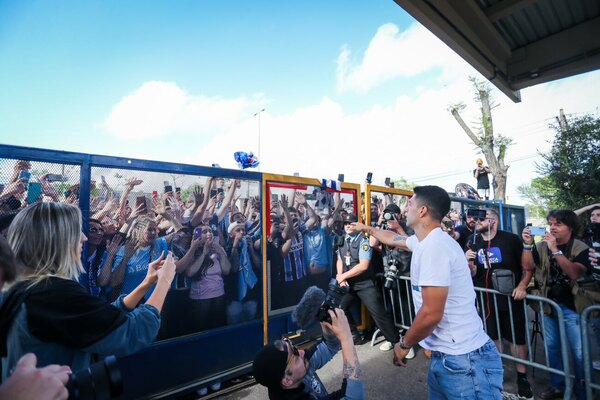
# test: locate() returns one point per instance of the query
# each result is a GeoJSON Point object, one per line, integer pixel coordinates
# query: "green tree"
{"type": "Point", "coordinates": [403, 184]}
{"type": "Point", "coordinates": [492, 145]}
{"type": "Point", "coordinates": [539, 194]}
{"type": "Point", "coordinates": [572, 166]}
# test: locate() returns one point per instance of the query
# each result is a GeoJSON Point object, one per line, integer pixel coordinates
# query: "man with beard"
{"type": "Point", "coordinates": [290, 373]}
{"type": "Point", "coordinates": [462, 232]}
{"type": "Point", "coordinates": [492, 249]}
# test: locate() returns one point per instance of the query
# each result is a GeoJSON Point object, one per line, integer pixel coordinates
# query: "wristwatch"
{"type": "Point", "coordinates": [401, 344]}
{"type": "Point", "coordinates": [557, 253]}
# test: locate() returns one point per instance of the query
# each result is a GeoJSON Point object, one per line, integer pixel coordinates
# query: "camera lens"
{"type": "Point", "coordinates": [101, 380]}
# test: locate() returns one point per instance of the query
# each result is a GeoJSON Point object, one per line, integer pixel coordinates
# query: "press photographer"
{"type": "Point", "coordinates": [495, 261]}
{"type": "Point", "coordinates": [354, 270]}
{"type": "Point", "coordinates": [290, 373]}
{"type": "Point", "coordinates": [560, 259]}
{"type": "Point", "coordinates": [396, 262]}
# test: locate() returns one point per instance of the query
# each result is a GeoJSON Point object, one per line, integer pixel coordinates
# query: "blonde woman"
{"type": "Point", "coordinates": [47, 312]}
{"type": "Point", "coordinates": [129, 262]}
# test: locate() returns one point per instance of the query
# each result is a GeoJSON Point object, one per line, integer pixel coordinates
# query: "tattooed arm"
{"type": "Point", "coordinates": [387, 237]}
{"type": "Point", "coordinates": [340, 327]}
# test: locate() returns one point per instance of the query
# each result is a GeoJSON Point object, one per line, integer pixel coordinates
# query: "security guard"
{"type": "Point", "coordinates": [353, 270]}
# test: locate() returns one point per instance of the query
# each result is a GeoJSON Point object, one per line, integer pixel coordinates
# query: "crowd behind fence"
{"type": "Point", "coordinates": [399, 302]}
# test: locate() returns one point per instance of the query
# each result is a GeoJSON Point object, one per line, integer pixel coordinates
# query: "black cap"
{"type": "Point", "coordinates": [392, 208]}
{"type": "Point", "coordinates": [350, 218]}
{"type": "Point", "coordinates": [269, 367]}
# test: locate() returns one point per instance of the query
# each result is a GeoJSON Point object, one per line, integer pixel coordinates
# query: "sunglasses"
{"type": "Point", "coordinates": [291, 350]}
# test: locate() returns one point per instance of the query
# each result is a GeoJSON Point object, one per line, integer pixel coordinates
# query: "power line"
{"type": "Point", "coordinates": [460, 172]}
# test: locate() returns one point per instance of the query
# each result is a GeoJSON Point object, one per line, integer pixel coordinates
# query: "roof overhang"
{"type": "Point", "coordinates": [516, 43]}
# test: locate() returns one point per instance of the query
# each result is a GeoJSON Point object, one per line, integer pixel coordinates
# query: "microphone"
{"type": "Point", "coordinates": [306, 311]}
{"type": "Point", "coordinates": [471, 241]}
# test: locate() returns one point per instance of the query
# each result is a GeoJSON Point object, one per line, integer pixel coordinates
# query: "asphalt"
{"type": "Point", "coordinates": [385, 381]}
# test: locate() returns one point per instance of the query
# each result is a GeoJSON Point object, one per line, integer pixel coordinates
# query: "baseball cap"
{"type": "Point", "coordinates": [350, 218]}
{"type": "Point", "coordinates": [392, 208]}
{"type": "Point", "coordinates": [269, 367]}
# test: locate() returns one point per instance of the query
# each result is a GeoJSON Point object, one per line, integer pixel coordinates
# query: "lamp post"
{"type": "Point", "coordinates": [255, 114]}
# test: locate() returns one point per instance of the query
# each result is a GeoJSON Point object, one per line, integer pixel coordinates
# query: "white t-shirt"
{"type": "Point", "coordinates": [439, 261]}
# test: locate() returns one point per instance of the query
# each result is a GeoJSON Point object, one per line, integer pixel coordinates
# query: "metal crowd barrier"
{"type": "Point", "coordinates": [587, 352]}
{"type": "Point", "coordinates": [537, 323]}
{"type": "Point", "coordinates": [398, 301]}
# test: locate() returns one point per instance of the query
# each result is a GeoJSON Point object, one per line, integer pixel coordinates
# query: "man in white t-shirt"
{"type": "Point", "coordinates": [465, 362]}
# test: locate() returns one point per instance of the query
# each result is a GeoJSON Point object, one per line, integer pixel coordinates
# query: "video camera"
{"type": "Point", "coordinates": [477, 213]}
{"type": "Point", "coordinates": [391, 271]}
{"type": "Point", "coordinates": [101, 380]}
{"type": "Point", "coordinates": [333, 299]}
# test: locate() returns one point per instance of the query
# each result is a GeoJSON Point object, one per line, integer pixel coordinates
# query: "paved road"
{"type": "Point", "coordinates": [383, 380]}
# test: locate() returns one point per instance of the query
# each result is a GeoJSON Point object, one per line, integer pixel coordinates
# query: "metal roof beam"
{"type": "Point", "coordinates": [572, 51]}
{"type": "Point", "coordinates": [505, 8]}
{"type": "Point", "coordinates": [444, 21]}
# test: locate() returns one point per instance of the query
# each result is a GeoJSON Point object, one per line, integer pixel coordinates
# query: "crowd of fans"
{"type": "Point", "coordinates": [205, 244]}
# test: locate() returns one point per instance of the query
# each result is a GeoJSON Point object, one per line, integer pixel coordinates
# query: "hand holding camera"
{"type": "Point", "coordinates": [471, 255]}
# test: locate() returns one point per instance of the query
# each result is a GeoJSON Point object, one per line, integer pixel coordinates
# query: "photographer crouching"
{"type": "Point", "coordinates": [396, 263]}
{"type": "Point", "coordinates": [290, 373]}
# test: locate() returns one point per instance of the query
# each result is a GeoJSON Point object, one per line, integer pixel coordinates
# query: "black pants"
{"type": "Point", "coordinates": [370, 296]}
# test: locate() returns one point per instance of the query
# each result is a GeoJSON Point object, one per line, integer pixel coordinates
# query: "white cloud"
{"type": "Point", "coordinates": [158, 109]}
{"type": "Point", "coordinates": [415, 138]}
{"type": "Point", "coordinates": [412, 137]}
{"type": "Point", "coordinates": [391, 54]}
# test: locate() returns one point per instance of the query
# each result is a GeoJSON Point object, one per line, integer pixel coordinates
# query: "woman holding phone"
{"type": "Point", "coordinates": [206, 263]}
{"type": "Point", "coordinates": [47, 312]}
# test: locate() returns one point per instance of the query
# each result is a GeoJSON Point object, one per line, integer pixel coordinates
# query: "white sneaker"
{"type": "Point", "coordinates": [596, 365]}
{"type": "Point", "coordinates": [386, 346]}
{"type": "Point", "coordinates": [411, 354]}
{"type": "Point", "coordinates": [215, 386]}
{"type": "Point", "coordinates": [203, 391]}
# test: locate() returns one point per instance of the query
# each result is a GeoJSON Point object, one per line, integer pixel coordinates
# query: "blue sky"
{"type": "Point", "coordinates": [181, 80]}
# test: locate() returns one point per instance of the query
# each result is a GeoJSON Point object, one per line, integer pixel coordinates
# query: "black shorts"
{"type": "Point", "coordinates": [504, 320]}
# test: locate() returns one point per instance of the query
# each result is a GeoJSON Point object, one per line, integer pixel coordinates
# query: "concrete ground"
{"type": "Point", "coordinates": [385, 381]}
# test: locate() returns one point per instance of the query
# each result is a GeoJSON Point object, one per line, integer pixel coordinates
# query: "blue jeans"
{"type": "Point", "coordinates": [552, 337]}
{"type": "Point", "coordinates": [475, 375]}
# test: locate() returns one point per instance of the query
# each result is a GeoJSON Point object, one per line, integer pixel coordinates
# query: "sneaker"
{"type": "Point", "coordinates": [215, 386]}
{"type": "Point", "coordinates": [596, 365]}
{"type": "Point", "coordinates": [509, 396]}
{"type": "Point", "coordinates": [524, 389]}
{"type": "Point", "coordinates": [359, 339]}
{"type": "Point", "coordinates": [411, 354]}
{"type": "Point", "coordinates": [386, 346]}
{"type": "Point", "coordinates": [551, 393]}
{"type": "Point", "coordinates": [203, 391]}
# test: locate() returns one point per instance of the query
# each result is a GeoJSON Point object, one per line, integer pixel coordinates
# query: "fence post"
{"type": "Point", "coordinates": [587, 356]}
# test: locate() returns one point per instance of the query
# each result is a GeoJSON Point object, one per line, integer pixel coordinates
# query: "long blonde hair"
{"type": "Point", "coordinates": [45, 238]}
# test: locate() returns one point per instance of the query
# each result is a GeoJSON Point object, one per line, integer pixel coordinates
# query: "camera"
{"type": "Point", "coordinates": [101, 380]}
{"type": "Point", "coordinates": [387, 216]}
{"type": "Point", "coordinates": [476, 213]}
{"type": "Point", "coordinates": [391, 271]}
{"type": "Point", "coordinates": [339, 241]}
{"type": "Point", "coordinates": [333, 299]}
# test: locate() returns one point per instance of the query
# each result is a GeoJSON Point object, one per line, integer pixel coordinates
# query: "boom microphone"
{"type": "Point", "coordinates": [305, 313]}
